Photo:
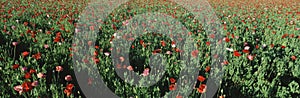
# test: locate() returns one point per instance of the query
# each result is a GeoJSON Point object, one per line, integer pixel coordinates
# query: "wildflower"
{"type": "Point", "coordinates": [207, 43]}
{"type": "Point", "coordinates": [67, 92]}
{"type": "Point", "coordinates": [201, 78]}
{"type": "Point", "coordinates": [236, 53]}
{"type": "Point", "coordinates": [202, 88]}
{"type": "Point", "coordinates": [178, 96]}
{"type": "Point", "coordinates": [27, 75]}
{"type": "Point", "coordinates": [59, 68]}
{"type": "Point", "coordinates": [40, 75]}
{"type": "Point", "coordinates": [25, 53]}
{"type": "Point", "coordinates": [122, 59]}
{"type": "Point", "coordinates": [15, 66]}
{"type": "Point", "coordinates": [37, 56]}
{"type": "Point", "coordinates": [46, 46]}
{"type": "Point", "coordinates": [31, 71]}
{"type": "Point", "coordinates": [229, 49]}
{"type": "Point", "coordinates": [19, 89]}
{"type": "Point", "coordinates": [106, 53]}
{"type": "Point", "coordinates": [24, 68]}
{"type": "Point", "coordinates": [168, 52]}
{"type": "Point", "coordinates": [129, 68]}
{"type": "Point", "coordinates": [293, 58]}
{"type": "Point", "coordinates": [225, 63]}
{"type": "Point", "coordinates": [226, 39]}
{"type": "Point", "coordinates": [14, 43]}
{"type": "Point", "coordinates": [207, 69]}
{"type": "Point", "coordinates": [70, 86]}
{"type": "Point", "coordinates": [195, 53]}
{"type": "Point", "coordinates": [247, 48]}
{"type": "Point", "coordinates": [68, 89]}
{"type": "Point", "coordinates": [125, 23]}
{"type": "Point", "coordinates": [172, 80]}
{"type": "Point", "coordinates": [173, 44]}
{"type": "Point", "coordinates": [172, 87]}
{"type": "Point", "coordinates": [35, 83]}
{"type": "Point", "coordinates": [163, 43]}
{"type": "Point", "coordinates": [250, 57]}
{"type": "Point", "coordinates": [146, 72]}
{"type": "Point", "coordinates": [68, 78]}
{"type": "Point", "coordinates": [26, 86]}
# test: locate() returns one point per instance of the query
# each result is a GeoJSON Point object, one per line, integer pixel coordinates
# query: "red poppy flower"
{"type": "Point", "coordinates": [236, 53]}
{"type": "Point", "coordinates": [67, 92]}
{"type": "Point", "coordinates": [294, 58]}
{"type": "Point", "coordinates": [246, 51]}
{"type": "Point", "coordinates": [282, 47]}
{"type": "Point", "coordinates": [201, 78]}
{"type": "Point", "coordinates": [70, 86]}
{"type": "Point", "coordinates": [25, 54]}
{"type": "Point", "coordinates": [31, 71]}
{"type": "Point", "coordinates": [256, 46]}
{"type": "Point", "coordinates": [272, 45]}
{"type": "Point", "coordinates": [141, 42]}
{"type": "Point", "coordinates": [225, 63]}
{"type": "Point", "coordinates": [37, 56]}
{"type": "Point", "coordinates": [156, 51]}
{"type": "Point", "coordinates": [57, 39]}
{"type": "Point", "coordinates": [207, 43]}
{"type": "Point", "coordinates": [195, 53]}
{"type": "Point", "coordinates": [172, 87]}
{"type": "Point", "coordinates": [202, 88]}
{"type": "Point", "coordinates": [96, 53]}
{"type": "Point", "coordinates": [58, 34]}
{"type": "Point", "coordinates": [15, 66]}
{"type": "Point", "coordinates": [25, 23]}
{"type": "Point", "coordinates": [284, 35]}
{"type": "Point", "coordinates": [163, 43]}
{"type": "Point", "coordinates": [26, 86]}
{"type": "Point", "coordinates": [96, 60]}
{"type": "Point", "coordinates": [292, 35]}
{"type": "Point", "coordinates": [178, 96]}
{"type": "Point", "coordinates": [227, 39]}
{"type": "Point", "coordinates": [172, 80]}
{"type": "Point", "coordinates": [207, 69]}
{"type": "Point", "coordinates": [27, 75]}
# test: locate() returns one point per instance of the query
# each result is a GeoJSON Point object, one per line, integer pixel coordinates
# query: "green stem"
{"type": "Point", "coordinates": [14, 53]}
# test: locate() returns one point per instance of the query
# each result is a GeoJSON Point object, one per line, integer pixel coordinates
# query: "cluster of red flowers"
{"type": "Point", "coordinates": [173, 84]}
{"type": "Point", "coordinates": [68, 89]}
{"type": "Point", "coordinates": [27, 85]}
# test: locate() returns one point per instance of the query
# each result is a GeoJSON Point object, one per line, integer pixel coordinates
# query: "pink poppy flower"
{"type": "Point", "coordinates": [146, 72]}
{"type": "Point", "coordinates": [19, 89]}
{"type": "Point", "coordinates": [68, 78]}
{"type": "Point", "coordinates": [59, 68]}
{"type": "Point", "coordinates": [14, 43]}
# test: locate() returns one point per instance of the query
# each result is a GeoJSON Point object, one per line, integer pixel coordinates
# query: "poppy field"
{"type": "Point", "coordinates": [260, 38]}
